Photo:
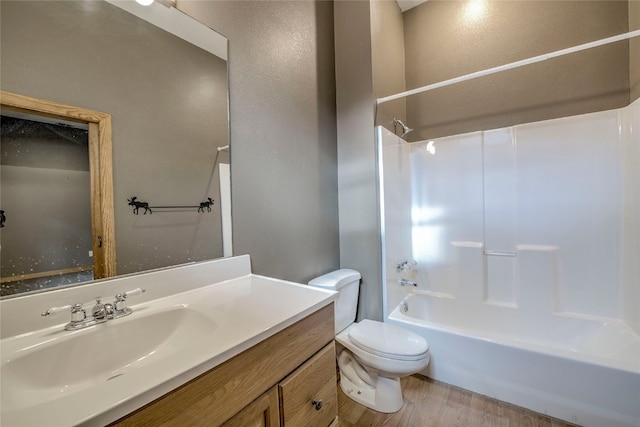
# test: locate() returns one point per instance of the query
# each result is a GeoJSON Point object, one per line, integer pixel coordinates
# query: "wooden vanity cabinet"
{"type": "Point", "coordinates": [308, 397]}
{"type": "Point", "coordinates": [262, 412]}
{"type": "Point", "coordinates": [273, 383]}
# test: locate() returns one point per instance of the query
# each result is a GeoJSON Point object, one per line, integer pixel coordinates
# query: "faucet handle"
{"type": "Point", "coordinates": [54, 311]}
{"type": "Point", "coordinates": [406, 265]}
{"type": "Point", "coordinates": [120, 303]}
{"type": "Point", "coordinates": [134, 292]}
{"type": "Point", "coordinates": [78, 314]}
{"type": "Point", "coordinates": [122, 297]}
{"type": "Point", "coordinates": [74, 308]}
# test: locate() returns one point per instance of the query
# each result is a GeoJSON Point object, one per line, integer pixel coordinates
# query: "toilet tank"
{"type": "Point", "coordinates": [347, 283]}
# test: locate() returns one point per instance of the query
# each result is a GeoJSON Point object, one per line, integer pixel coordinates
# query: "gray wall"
{"type": "Point", "coordinates": [283, 132]}
{"type": "Point", "coordinates": [46, 195]}
{"type": "Point", "coordinates": [387, 49]}
{"type": "Point", "coordinates": [442, 42]}
{"type": "Point", "coordinates": [165, 132]}
{"type": "Point", "coordinates": [634, 50]}
{"type": "Point", "coordinates": [359, 219]}
{"type": "Point", "coordinates": [369, 64]}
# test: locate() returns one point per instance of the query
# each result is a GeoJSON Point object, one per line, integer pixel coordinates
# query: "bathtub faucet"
{"type": "Point", "coordinates": [405, 282]}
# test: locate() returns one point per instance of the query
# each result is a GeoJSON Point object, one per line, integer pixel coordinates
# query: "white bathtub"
{"type": "Point", "coordinates": [578, 369]}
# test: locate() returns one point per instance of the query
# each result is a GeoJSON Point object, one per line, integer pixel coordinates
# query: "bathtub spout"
{"type": "Point", "coordinates": [405, 282]}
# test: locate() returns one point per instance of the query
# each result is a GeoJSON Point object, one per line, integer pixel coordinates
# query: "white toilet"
{"type": "Point", "coordinates": [372, 356]}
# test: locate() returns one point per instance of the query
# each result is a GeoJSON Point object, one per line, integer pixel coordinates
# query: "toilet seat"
{"type": "Point", "coordinates": [388, 341]}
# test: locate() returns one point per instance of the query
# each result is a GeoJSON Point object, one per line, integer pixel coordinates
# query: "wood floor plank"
{"type": "Point", "coordinates": [434, 403]}
{"type": "Point", "coordinates": [371, 419]}
{"type": "Point", "coordinates": [431, 403]}
{"type": "Point", "coordinates": [417, 400]}
{"type": "Point", "coordinates": [487, 412]}
{"type": "Point", "coordinates": [349, 411]}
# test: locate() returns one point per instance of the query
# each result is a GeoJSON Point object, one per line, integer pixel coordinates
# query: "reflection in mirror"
{"type": "Point", "coordinates": [45, 177]}
{"type": "Point", "coordinates": [58, 158]}
{"type": "Point", "coordinates": [168, 102]}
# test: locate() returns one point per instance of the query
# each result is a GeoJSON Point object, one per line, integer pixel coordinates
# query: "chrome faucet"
{"type": "Point", "coordinates": [405, 282]}
{"type": "Point", "coordinates": [406, 265]}
{"type": "Point", "coordinates": [78, 314]}
{"type": "Point", "coordinates": [100, 312]}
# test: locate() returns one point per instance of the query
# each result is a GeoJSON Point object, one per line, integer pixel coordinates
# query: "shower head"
{"type": "Point", "coordinates": [405, 129]}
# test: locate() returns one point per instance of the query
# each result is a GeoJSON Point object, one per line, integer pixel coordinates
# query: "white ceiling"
{"type": "Point", "coordinates": [408, 4]}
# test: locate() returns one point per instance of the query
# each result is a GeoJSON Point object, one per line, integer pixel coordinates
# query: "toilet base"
{"type": "Point", "coordinates": [386, 397]}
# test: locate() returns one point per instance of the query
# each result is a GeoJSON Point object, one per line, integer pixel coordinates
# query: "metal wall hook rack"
{"type": "Point", "coordinates": [138, 204]}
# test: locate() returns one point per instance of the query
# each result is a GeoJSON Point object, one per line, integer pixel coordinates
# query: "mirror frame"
{"type": "Point", "coordinates": [100, 167]}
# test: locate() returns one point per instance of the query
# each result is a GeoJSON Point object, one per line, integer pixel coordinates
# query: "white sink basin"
{"type": "Point", "coordinates": [197, 317]}
{"type": "Point", "coordinates": [73, 362]}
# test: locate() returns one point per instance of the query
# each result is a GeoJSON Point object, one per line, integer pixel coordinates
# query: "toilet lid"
{"type": "Point", "coordinates": [385, 340]}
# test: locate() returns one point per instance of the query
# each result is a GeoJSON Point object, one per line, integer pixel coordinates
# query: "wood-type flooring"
{"type": "Point", "coordinates": [431, 403]}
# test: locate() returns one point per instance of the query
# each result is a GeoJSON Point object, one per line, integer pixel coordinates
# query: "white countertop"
{"type": "Point", "coordinates": [245, 310]}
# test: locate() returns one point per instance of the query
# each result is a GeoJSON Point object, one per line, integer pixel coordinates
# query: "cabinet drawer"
{"type": "Point", "coordinates": [263, 412]}
{"type": "Point", "coordinates": [314, 380]}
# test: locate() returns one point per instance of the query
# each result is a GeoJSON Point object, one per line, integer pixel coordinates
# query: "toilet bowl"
{"type": "Point", "coordinates": [372, 356]}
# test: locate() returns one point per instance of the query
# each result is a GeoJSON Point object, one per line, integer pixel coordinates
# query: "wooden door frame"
{"type": "Point", "coordinates": [101, 171]}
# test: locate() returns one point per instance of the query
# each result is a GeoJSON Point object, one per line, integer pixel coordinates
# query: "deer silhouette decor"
{"type": "Point", "coordinates": [137, 204]}
{"type": "Point", "coordinates": [133, 201]}
{"type": "Point", "coordinates": [206, 205]}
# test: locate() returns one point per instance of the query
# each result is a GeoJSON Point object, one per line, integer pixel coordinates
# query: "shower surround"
{"type": "Point", "coordinates": [527, 242]}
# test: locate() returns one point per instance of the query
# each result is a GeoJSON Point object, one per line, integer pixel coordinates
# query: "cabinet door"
{"type": "Point", "coordinates": [309, 396]}
{"type": "Point", "coordinates": [262, 412]}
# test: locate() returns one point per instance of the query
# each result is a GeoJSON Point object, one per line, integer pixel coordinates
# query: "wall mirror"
{"type": "Point", "coordinates": [165, 90]}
